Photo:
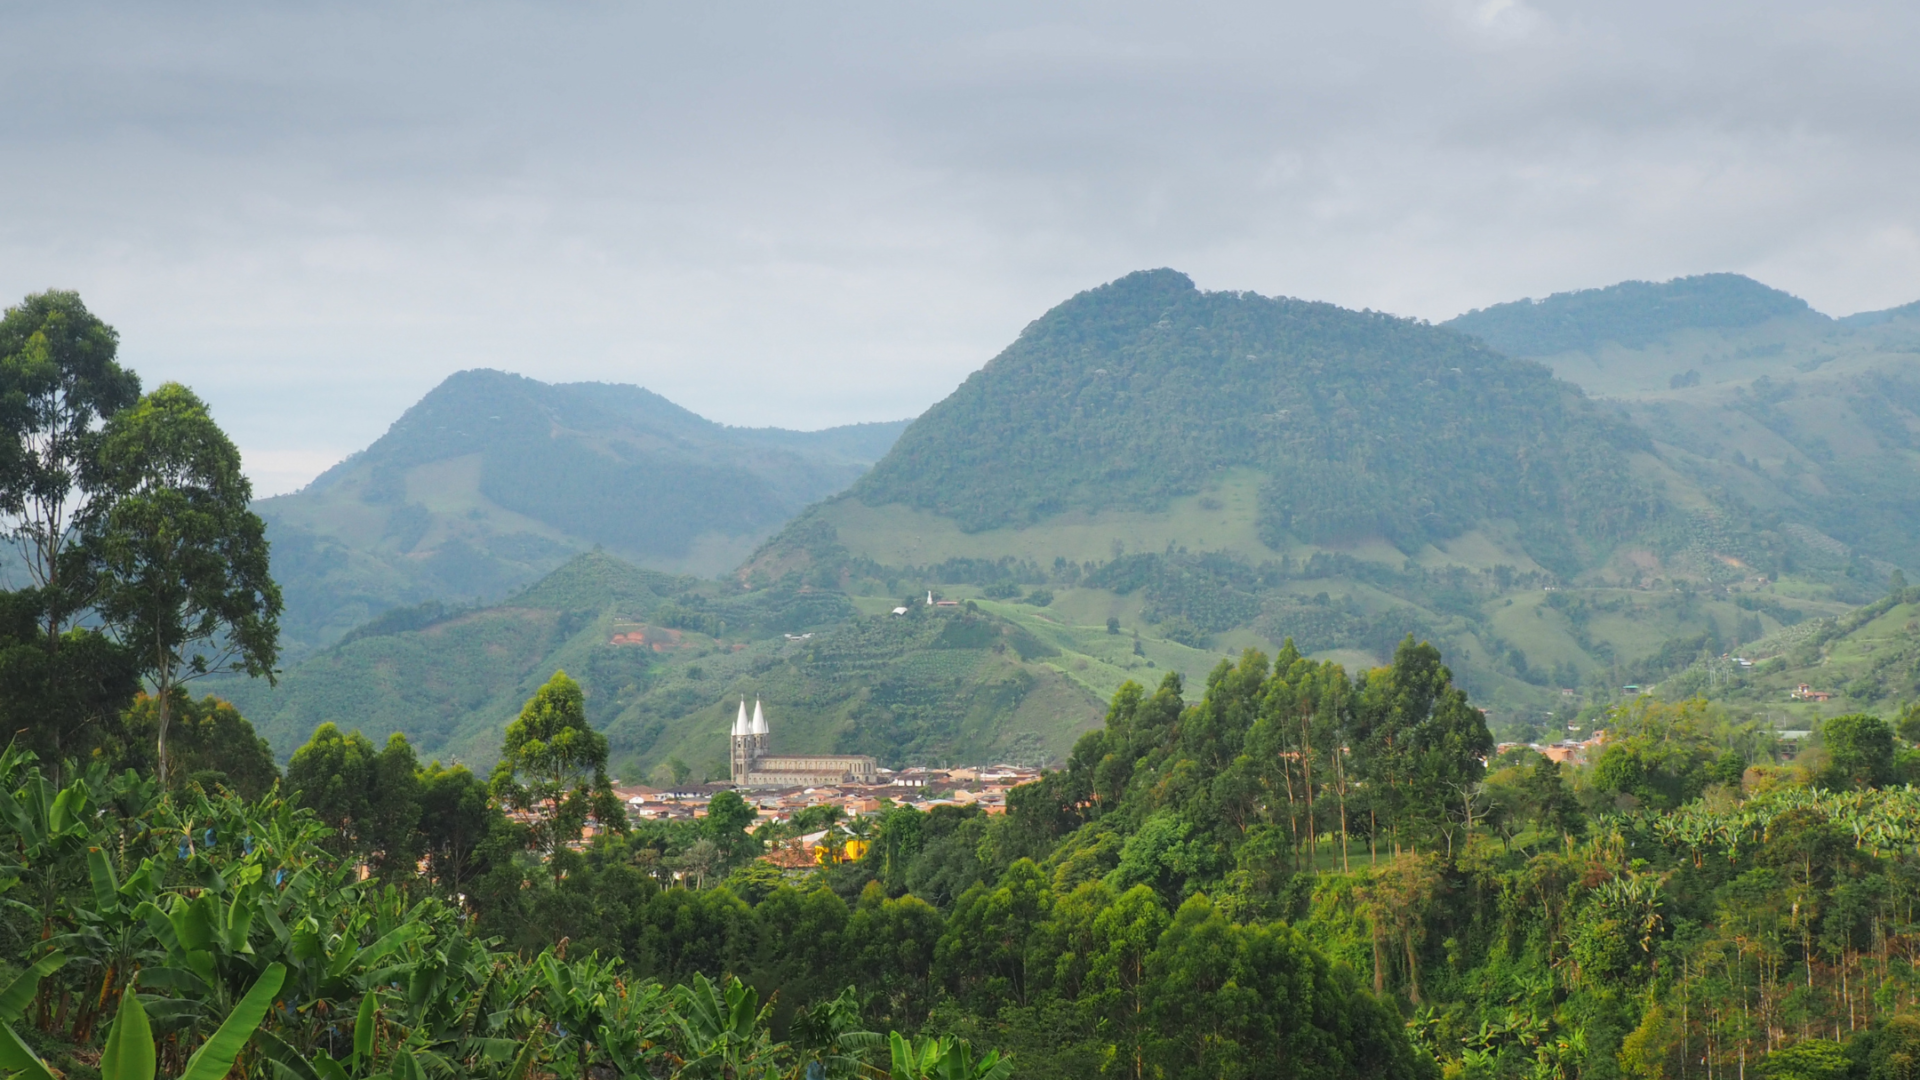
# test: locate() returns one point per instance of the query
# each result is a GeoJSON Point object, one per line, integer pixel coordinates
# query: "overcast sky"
{"type": "Point", "coordinates": [804, 213]}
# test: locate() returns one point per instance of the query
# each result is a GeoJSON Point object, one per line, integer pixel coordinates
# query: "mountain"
{"type": "Point", "coordinates": [1150, 478]}
{"type": "Point", "coordinates": [1632, 314]}
{"type": "Point", "coordinates": [663, 659]}
{"type": "Point", "coordinates": [1358, 425]}
{"type": "Point", "coordinates": [1796, 421]}
{"type": "Point", "coordinates": [1225, 470]}
{"type": "Point", "coordinates": [493, 479]}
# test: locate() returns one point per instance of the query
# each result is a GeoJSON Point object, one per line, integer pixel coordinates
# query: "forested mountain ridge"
{"type": "Point", "coordinates": [1796, 420]}
{"type": "Point", "coordinates": [1343, 488]}
{"type": "Point", "coordinates": [1632, 313]}
{"type": "Point", "coordinates": [1228, 470]}
{"type": "Point", "coordinates": [493, 479]}
{"type": "Point", "coordinates": [1364, 424]}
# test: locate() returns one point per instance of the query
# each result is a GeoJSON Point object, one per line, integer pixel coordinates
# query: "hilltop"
{"type": "Point", "coordinates": [1633, 314]}
{"type": "Point", "coordinates": [1225, 470]}
{"type": "Point", "coordinates": [492, 480]}
{"type": "Point", "coordinates": [1359, 424]}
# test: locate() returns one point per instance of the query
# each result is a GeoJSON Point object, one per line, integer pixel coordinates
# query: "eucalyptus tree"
{"type": "Point", "coordinates": [184, 579]}
{"type": "Point", "coordinates": [60, 381]}
{"type": "Point", "coordinates": [554, 763]}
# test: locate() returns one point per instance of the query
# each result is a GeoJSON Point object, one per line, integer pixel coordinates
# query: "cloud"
{"type": "Point", "coordinates": [781, 213]}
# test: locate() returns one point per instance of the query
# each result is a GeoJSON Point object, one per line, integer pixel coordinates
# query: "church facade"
{"type": "Point", "coordinates": [754, 766]}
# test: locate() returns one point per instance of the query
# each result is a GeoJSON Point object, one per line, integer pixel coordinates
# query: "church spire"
{"type": "Point", "coordinates": [740, 725]}
{"type": "Point", "coordinates": [759, 726]}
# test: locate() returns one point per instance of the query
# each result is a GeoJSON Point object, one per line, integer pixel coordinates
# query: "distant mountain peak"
{"type": "Point", "coordinates": [1631, 313]}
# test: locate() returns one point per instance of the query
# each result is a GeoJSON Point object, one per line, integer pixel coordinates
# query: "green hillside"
{"type": "Point", "coordinates": [1361, 424]}
{"type": "Point", "coordinates": [492, 480]}
{"type": "Point", "coordinates": [1226, 470]}
{"type": "Point", "coordinates": [1632, 314]}
{"type": "Point", "coordinates": [1153, 477]}
{"type": "Point", "coordinates": [1801, 424]}
{"type": "Point", "coordinates": [1864, 660]}
{"type": "Point", "coordinates": [664, 660]}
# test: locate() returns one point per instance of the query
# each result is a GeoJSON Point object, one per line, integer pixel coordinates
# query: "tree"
{"type": "Point", "coordinates": [184, 573]}
{"type": "Point", "coordinates": [728, 816]}
{"type": "Point", "coordinates": [1810, 1059]}
{"type": "Point", "coordinates": [59, 380]}
{"type": "Point", "coordinates": [391, 833]}
{"type": "Point", "coordinates": [212, 745]}
{"type": "Point", "coordinates": [455, 819]}
{"type": "Point", "coordinates": [333, 775]}
{"type": "Point", "coordinates": [553, 761]}
{"type": "Point", "coordinates": [1550, 801]}
{"type": "Point", "coordinates": [1425, 746]}
{"type": "Point", "coordinates": [1859, 752]}
{"type": "Point", "coordinates": [60, 701]}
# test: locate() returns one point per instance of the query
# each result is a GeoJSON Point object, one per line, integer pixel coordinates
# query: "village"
{"type": "Point", "coordinates": [919, 788]}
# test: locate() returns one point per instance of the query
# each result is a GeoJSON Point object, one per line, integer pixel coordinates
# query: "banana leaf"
{"type": "Point", "coordinates": [215, 1056]}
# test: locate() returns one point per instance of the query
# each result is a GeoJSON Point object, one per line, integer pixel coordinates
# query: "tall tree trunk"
{"type": "Point", "coordinates": [1306, 779]}
{"type": "Point", "coordinates": [1413, 969]}
{"type": "Point", "coordinates": [1340, 781]}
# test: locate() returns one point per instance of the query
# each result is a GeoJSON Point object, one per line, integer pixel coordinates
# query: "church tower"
{"type": "Point", "coordinates": [740, 746]}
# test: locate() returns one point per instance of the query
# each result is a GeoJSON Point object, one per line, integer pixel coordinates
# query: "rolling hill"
{"type": "Point", "coordinates": [492, 480]}
{"type": "Point", "coordinates": [1863, 660]}
{"type": "Point", "coordinates": [663, 658]}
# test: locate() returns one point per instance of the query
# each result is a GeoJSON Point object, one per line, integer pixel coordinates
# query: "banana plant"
{"type": "Point", "coordinates": [403, 1061]}
{"type": "Point", "coordinates": [130, 1052]}
{"type": "Point", "coordinates": [110, 934]}
{"type": "Point", "coordinates": [15, 1056]}
{"type": "Point", "coordinates": [723, 1031]}
{"type": "Point", "coordinates": [48, 826]}
{"type": "Point", "coordinates": [944, 1059]}
{"type": "Point", "coordinates": [831, 1043]}
{"type": "Point", "coordinates": [634, 1029]}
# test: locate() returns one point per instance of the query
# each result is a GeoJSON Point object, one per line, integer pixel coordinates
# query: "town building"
{"type": "Point", "coordinates": [755, 766]}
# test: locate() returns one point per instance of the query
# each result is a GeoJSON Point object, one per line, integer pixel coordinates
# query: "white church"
{"type": "Point", "coordinates": [753, 766]}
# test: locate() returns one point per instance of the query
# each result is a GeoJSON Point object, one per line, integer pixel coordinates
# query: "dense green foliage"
{"type": "Point", "coordinates": [1632, 313]}
{"type": "Point", "coordinates": [60, 380]}
{"type": "Point", "coordinates": [1140, 390]}
{"type": "Point", "coordinates": [223, 934]}
{"type": "Point", "coordinates": [180, 562]}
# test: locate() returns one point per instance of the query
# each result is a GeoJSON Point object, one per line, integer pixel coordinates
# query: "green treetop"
{"type": "Point", "coordinates": [553, 759]}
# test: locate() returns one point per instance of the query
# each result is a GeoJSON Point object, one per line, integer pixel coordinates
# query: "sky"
{"type": "Point", "coordinates": [805, 214]}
